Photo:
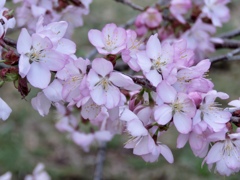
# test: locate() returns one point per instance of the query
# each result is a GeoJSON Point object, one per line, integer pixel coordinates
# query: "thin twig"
{"type": "Point", "coordinates": [100, 160]}
{"type": "Point", "coordinates": [229, 56]}
{"type": "Point", "coordinates": [130, 4]}
{"type": "Point", "coordinates": [230, 34]}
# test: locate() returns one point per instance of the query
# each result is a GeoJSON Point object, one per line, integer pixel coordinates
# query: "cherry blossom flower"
{"type": "Point", "coordinates": [145, 147]}
{"type": "Point", "coordinates": [111, 40]}
{"type": "Point", "coordinates": [199, 39]}
{"type": "Point", "coordinates": [67, 121]}
{"type": "Point", "coordinates": [226, 154]}
{"type": "Point", "coordinates": [210, 112]}
{"type": "Point", "coordinates": [38, 59]}
{"type": "Point", "coordinates": [157, 61]}
{"type": "Point", "coordinates": [129, 55]}
{"type": "Point", "coordinates": [141, 141]}
{"type": "Point", "coordinates": [217, 11]}
{"type": "Point", "coordinates": [198, 141]}
{"type": "Point", "coordinates": [151, 18]}
{"type": "Point", "coordinates": [134, 126]}
{"type": "Point", "coordinates": [183, 57]}
{"type": "Point", "coordinates": [29, 12]}
{"type": "Point", "coordinates": [104, 82]}
{"type": "Point", "coordinates": [73, 76]}
{"type": "Point", "coordinates": [177, 106]}
{"type": "Point", "coordinates": [192, 79]}
{"type": "Point", "coordinates": [180, 7]}
{"type": "Point", "coordinates": [5, 110]}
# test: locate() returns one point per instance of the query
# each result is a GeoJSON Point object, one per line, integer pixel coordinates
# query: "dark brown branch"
{"type": "Point", "coordinates": [130, 4]}
{"type": "Point", "coordinates": [10, 42]}
{"type": "Point", "coordinates": [143, 82]}
{"type": "Point", "coordinates": [228, 43]}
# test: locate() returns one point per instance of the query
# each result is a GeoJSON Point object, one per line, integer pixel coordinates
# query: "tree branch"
{"type": "Point", "coordinates": [227, 57]}
{"type": "Point", "coordinates": [130, 4]}
{"type": "Point", "coordinates": [100, 160]}
{"type": "Point", "coordinates": [143, 82]}
{"type": "Point", "coordinates": [230, 34]}
{"type": "Point", "coordinates": [228, 43]}
{"type": "Point", "coordinates": [10, 42]}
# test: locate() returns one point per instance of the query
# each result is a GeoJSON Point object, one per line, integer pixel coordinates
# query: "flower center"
{"type": "Point", "coordinates": [177, 106]}
{"type": "Point", "coordinates": [34, 55]}
{"type": "Point", "coordinates": [104, 83]}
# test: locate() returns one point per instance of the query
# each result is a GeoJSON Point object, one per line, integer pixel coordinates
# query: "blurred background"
{"type": "Point", "coordinates": [26, 138]}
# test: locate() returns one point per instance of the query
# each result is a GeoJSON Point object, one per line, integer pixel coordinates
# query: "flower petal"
{"type": "Point", "coordinates": [167, 153]}
{"type": "Point", "coordinates": [153, 47]}
{"type": "Point", "coordinates": [96, 38]}
{"type": "Point", "coordinates": [163, 114]}
{"type": "Point", "coordinates": [5, 110]}
{"type": "Point", "coordinates": [38, 76]}
{"type": "Point", "coordinates": [24, 42]}
{"type": "Point", "coordinates": [102, 66]}
{"type": "Point", "coordinates": [182, 122]}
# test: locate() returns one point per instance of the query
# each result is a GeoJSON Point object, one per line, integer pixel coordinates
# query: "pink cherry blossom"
{"type": "Point", "coordinates": [199, 39]}
{"type": "Point", "coordinates": [225, 153]}
{"type": "Point", "coordinates": [217, 11]}
{"type": "Point", "coordinates": [177, 106]}
{"type": "Point", "coordinates": [104, 82]}
{"type": "Point", "coordinates": [192, 79]}
{"type": "Point", "coordinates": [198, 142]}
{"type": "Point", "coordinates": [38, 59]}
{"type": "Point", "coordinates": [134, 126]}
{"type": "Point", "coordinates": [155, 63]}
{"type": "Point", "coordinates": [129, 55]}
{"type": "Point", "coordinates": [67, 121]}
{"type": "Point", "coordinates": [210, 112]}
{"type": "Point", "coordinates": [183, 57]}
{"type": "Point", "coordinates": [95, 113]}
{"type": "Point", "coordinates": [145, 147]}
{"type": "Point", "coordinates": [73, 76]}
{"type": "Point", "coordinates": [179, 8]}
{"type": "Point", "coordinates": [111, 40]}
{"type": "Point", "coordinates": [150, 18]}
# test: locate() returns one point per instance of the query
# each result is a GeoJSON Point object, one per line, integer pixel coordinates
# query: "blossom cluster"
{"type": "Point", "coordinates": [28, 12]}
{"type": "Point", "coordinates": [180, 94]}
{"type": "Point", "coordinates": [193, 20]}
{"type": "Point", "coordinates": [95, 101]}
